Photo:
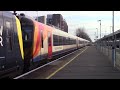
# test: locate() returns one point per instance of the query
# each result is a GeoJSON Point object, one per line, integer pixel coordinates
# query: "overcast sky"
{"type": "Point", "coordinates": [86, 19]}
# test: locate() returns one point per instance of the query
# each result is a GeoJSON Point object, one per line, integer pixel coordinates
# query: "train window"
{"type": "Point", "coordinates": [71, 41]}
{"type": "Point", "coordinates": [68, 42]}
{"type": "Point", "coordinates": [60, 40]}
{"type": "Point", "coordinates": [80, 42]}
{"type": "Point", "coordinates": [55, 40]}
{"type": "Point", "coordinates": [74, 41]}
{"type": "Point", "coordinates": [27, 33]}
{"type": "Point", "coordinates": [63, 40]}
{"type": "Point", "coordinates": [42, 38]}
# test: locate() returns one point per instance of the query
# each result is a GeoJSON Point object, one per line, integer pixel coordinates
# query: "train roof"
{"type": "Point", "coordinates": [7, 14]}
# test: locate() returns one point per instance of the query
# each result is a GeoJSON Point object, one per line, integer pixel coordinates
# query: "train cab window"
{"type": "Point", "coordinates": [9, 35]}
{"type": "Point", "coordinates": [27, 33]}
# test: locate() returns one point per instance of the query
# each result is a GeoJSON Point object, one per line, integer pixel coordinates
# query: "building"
{"type": "Point", "coordinates": [49, 19]}
{"type": "Point", "coordinates": [41, 19]}
{"type": "Point", "coordinates": [65, 26]}
{"type": "Point", "coordinates": [57, 21]}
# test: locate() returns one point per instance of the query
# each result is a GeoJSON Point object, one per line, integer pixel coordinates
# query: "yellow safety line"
{"type": "Point", "coordinates": [65, 65]}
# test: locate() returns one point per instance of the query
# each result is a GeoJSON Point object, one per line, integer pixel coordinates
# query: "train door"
{"type": "Point", "coordinates": [10, 56]}
{"type": "Point", "coordinates": [2, 44]}
{"type": "Point", "coordinates": [49, 45]}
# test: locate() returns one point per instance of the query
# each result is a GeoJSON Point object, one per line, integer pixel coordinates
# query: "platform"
{"type": "Point", "coordinates": [91, 64]}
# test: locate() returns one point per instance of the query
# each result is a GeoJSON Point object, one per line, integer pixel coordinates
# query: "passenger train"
{"type": "Point", "coordinates": [24, 42]}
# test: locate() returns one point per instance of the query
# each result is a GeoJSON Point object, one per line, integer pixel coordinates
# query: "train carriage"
{"type": "Point", "coordinates": [62, 42]}
{"type": "Point", "coordinates": [11, 49]}
{"type": "Point", "coordinates": [37, 41]}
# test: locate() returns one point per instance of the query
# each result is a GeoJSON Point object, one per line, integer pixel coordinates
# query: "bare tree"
{"type": "Point", "coordinates": [81, 32]}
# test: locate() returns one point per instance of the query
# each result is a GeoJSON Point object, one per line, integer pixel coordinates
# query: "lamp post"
{"type": "Point", "coordinates": [97, 32]}
{"type": "Point", "coordinates": [95, 36]}
{"type": "Point", "coordinates": [100, 28]}
{"type": "Point", "coordinates": [113, 47]}
{"type": "Point", "coordinates": [100, 34]}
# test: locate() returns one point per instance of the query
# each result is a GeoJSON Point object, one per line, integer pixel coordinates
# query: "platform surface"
{"type": "Point", "coordinates": [91, 64]}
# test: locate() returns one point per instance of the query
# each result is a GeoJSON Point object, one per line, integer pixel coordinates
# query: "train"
{"type": "Point", "coordinates": [25, 42]}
